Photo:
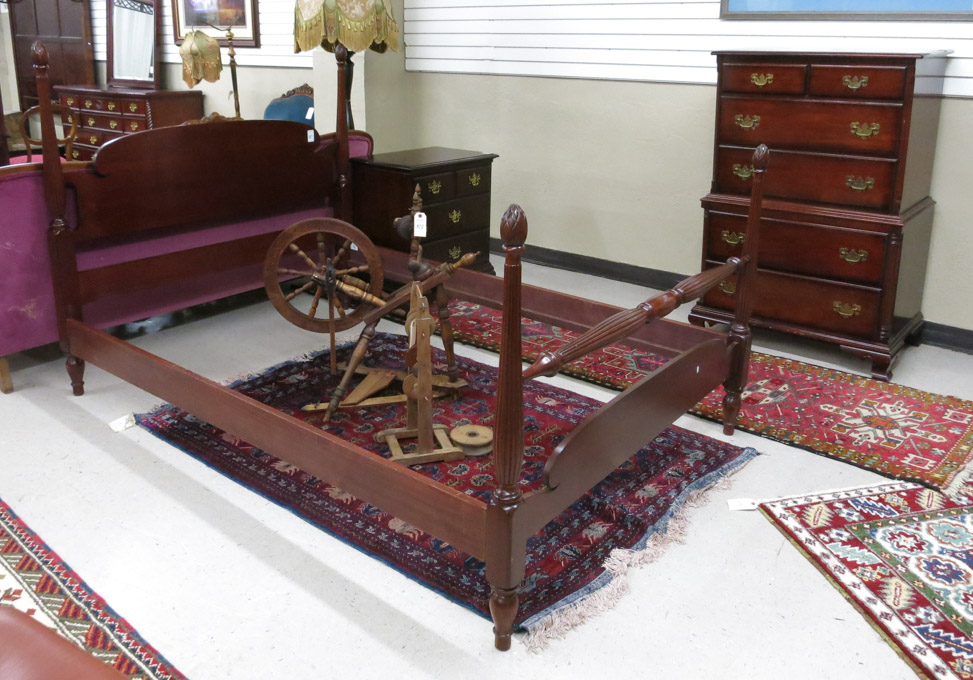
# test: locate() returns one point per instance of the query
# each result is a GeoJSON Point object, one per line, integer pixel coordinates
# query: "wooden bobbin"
{"type": "Point", "coordinates": [475, 440]}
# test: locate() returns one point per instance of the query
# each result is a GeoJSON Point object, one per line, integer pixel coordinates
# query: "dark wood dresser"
{"type": "Point", "coordinates": [455, 190]}
{"type": "Point", "coordinates": [106, 113]}
{"type": "Point", "coordinates": [847, 218]}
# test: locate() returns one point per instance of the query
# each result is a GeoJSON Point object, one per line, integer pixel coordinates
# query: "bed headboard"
{"type": "Point", "coordinates": [202, 174]}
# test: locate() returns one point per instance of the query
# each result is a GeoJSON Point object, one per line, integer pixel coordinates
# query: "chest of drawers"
{"type": "Point", "coordinates": [455, 190]}
{"type": "Point", "coordinates": [106, 113]}
{"type": "Point", "coordinates": [847, 218]}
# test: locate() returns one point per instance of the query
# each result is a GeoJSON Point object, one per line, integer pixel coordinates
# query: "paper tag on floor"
{"type": "Point", "coordinates": [742, 504]}
{"type": "Point", "coordinates": [122, 423]}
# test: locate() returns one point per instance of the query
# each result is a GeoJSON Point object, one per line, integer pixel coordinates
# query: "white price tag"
{"type": "Point", "coordinates": [310, 113]}
{"type": "Point", "coordinates": [742, 504]}
{"type": "Point", "coordinates": [354, 246]}
{"type": "Point", "coordinates": [419, 225]}
{"type": "Point", "coordinates": [310, 136]}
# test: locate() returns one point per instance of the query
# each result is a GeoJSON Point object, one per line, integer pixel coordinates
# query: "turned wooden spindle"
{"type": "Point", "coordinates": [505, 564]}
{"type": "Point", "coordinates": [739, 337]}
{"type": "Point", "coordinates": [624, 323]}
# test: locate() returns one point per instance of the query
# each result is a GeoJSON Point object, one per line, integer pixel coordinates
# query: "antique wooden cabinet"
{"type": "Point", "coordinates": [847, 219]}
{"type": "Point", "coordinates": [106, 113]}
{"type": "Point", "coordinates": [455, 189]}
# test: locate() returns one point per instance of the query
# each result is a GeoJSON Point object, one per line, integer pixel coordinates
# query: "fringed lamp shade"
{"type": "Point", "coordinates": [356, 24]}
{"type": "Point", "coordinates": [200, 58]}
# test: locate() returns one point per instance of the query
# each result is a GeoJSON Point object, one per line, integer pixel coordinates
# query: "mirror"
{"type": "Point", "coordinates": [133, 43]}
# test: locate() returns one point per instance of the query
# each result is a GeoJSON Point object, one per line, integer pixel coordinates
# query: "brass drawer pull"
{"type": "Point", "coordinates": [113, 124]}
{"type": "Point", "coordinates": [455, 252]}
{"type": "Point", "coordinates": [747, 122]}
{"type": "Point", "coordinates": [133, 125]}
{"type": "Point", "coordinates": [860, 183]}
{"type": "Point", "coordinates": [74, 153]}
{"type": "Point", "coordinates": [93, 139]}
{"type": "Point", "coordinates": [853, 256]}
{"type": "Point", "coordinates": [133, 107]}
{"type": "Point", "coordinates": [846, 309]}
{"type": "Point", "coordinates": [435, 186]}
{"type": "Point", "coordinates": [111, 106]}
{"type": "Point", "coordinates": [69, 101]}
{"type": "Point", "coordinates": [734, 238]}
{"type": "Point", "coordinates": [455, 216]}
{"type": "Point", "coordinates": [88, 103]}
{"type": "Point", "coordinates": [744, 172]}
{"type": "Point", "coordinates": [474, 180]}
{"type": "Point", "coordinates": [865, 130]}
{"type": "Point", "coordinates": [761, 79]}
{"type": "Point", "coordinates": [727, 287]}
{"type": "Point", "coordinates": [855, 82]}
{"type": "Point", "coordinates": [91, 121]}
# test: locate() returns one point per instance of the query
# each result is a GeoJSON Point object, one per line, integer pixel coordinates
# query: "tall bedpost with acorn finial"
{"type": "Point", "coordinates": [739, 336]}
{"type": "Point", "coordinates": [506, 548]}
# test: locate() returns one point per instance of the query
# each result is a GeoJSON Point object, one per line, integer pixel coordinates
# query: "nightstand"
{"type": "Point", "coordinates": [455, 190]}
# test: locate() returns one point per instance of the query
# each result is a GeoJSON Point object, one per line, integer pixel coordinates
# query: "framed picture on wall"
{"type": "Point", "coordinates": [214, 17]}
{"type": "Point", "coordinates": [875, 10]}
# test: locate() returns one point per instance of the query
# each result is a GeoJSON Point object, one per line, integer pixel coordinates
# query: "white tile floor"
{"type": "Point", "coordinates": [228, 585]}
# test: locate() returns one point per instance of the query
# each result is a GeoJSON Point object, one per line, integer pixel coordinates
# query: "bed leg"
{"type": "Point", "coordinates": [75, 368]}
{"type": "Point", "coordinates": [737, 380]}
{"type": "Point", "coordinates": [6, 382]}
{"type": "Point", "coordinates": [503, 608]}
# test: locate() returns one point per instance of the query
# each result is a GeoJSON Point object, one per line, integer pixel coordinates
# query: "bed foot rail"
{"type": "Point", "coordinates": [739, 336]}
{"type": "Point", "coordinates": [75, 368]}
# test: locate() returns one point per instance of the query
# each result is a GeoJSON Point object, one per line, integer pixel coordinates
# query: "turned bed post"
{"type": "Point", "coordinates": [59, 244]}
{"type": "Point", "coordinates": [739, 336]}
{"type": "Point", "coordinates": [505, 549]}
{"type": "Point", "coordinates": [342, 163]}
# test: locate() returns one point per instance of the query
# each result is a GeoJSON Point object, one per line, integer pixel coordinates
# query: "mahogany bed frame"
{"type": "Point", "coordinates": [145, 183]}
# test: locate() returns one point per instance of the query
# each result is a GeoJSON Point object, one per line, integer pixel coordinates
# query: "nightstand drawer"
{"type": "Point", "coordinates": [761, 78]}
{"type": "Point", "coordinates": [801, 248]}
{"type": "Point", "coordinates": [437, 188]}
{"type": "Point", "coordinates": [473, 181]}
{"type": "Point", "coordinates": [452, 248]}
{"type": "Point", "coordinates": [838, 180]}
{"type": "Point", "coordinates": [857, 82]}
{"type": "Point", "coordinates": [100, 121]}
{"type": "Point", "coordinates": [870, 129]}
{"type": "Point", "coordinates": [843, 308]}
{"type": "Point", "coordinates": [458, 216]}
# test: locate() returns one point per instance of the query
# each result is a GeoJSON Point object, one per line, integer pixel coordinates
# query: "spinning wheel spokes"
{"type": "Point", "coordinates": [334, 265]}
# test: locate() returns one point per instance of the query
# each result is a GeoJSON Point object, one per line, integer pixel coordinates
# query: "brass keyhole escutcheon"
{"type": "Point", "coordinates": [747, 122]}
{"type": "Point", "coordinates": [846, 309]}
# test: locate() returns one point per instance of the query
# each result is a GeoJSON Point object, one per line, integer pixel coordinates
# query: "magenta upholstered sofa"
{"type": "Point", "coordinates": [27, 315]}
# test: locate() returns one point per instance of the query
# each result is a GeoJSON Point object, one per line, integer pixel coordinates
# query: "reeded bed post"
{"type": "Point", "coordinates": [505, 554]}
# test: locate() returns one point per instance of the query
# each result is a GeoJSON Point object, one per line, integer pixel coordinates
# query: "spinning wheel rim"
{"type": "Point", "coordinates": [273, 272]}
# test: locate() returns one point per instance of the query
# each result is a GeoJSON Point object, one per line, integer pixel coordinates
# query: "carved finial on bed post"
{"type": "Point", "coordinates": [739, 335]}
{"type": "Point", "coordinates": [505, 550]}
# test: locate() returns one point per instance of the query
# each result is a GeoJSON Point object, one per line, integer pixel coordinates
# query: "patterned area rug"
{"type": "Point", "coordinates": [903, 556]}
{"type": "Point", "coordinates": [36, 581]}
{"type": "Point", "coordinates": [623, 518]}
{"type": "Point", "coordinates": [893, 430]}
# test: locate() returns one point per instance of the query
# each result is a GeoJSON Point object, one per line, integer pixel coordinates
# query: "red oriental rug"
{"type": "Point", "coordinates": [34, 580]}
{"type": "Point", "coordinates": [622, 521]}
{"type": "Point", "coordinates": [902, 554]}
{"type": "Point", "coordinates": [893, 430]}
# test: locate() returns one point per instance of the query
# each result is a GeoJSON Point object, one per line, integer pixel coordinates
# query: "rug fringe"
{"type": "Point", "coordinates": [560, 622]}
{"type": "Point", "coordinates": [955, 489]}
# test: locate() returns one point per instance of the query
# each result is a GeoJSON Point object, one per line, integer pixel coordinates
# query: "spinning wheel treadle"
{"type": "Point", "coordinates": [318, 253]}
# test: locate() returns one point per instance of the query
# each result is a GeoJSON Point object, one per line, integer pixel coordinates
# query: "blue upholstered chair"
{"type": "Point", "coordinates": [293, 105]}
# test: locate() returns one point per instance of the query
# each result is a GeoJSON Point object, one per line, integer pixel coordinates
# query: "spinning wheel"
{"type": "Point", "coordinates": [318, 252]}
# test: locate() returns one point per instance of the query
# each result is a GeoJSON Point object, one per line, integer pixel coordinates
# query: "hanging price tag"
{"type": "Point", "coordinates": [310, 113]}
{"type": "Point", "coordinates": [419, 225]}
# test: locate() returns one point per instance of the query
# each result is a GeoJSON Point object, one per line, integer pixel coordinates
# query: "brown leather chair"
{"type": "Point", "coordinates": [29, 650]}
